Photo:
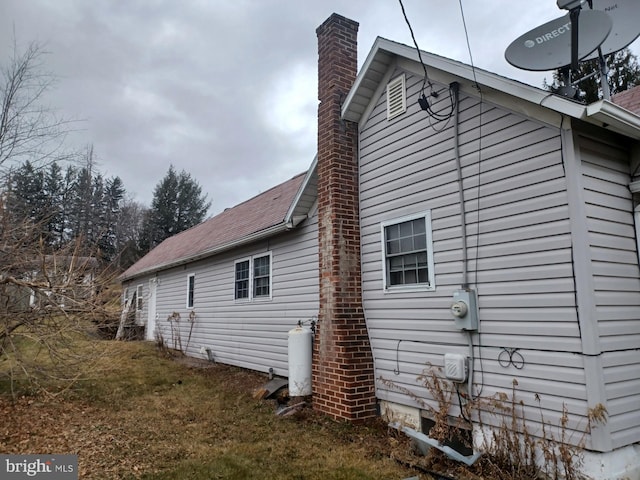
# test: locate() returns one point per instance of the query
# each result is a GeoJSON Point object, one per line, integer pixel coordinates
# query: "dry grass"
{"type": "Point", "coordinates": [141, 415]}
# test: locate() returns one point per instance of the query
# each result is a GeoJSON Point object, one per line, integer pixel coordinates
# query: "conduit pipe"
{"type": "Point", "coordinates": [455, 88]}
{"type": "Point", "coordinates": [456, 151]}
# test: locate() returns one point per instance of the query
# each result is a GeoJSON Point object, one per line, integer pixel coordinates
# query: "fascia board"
{"type": "Point", "coordinates": [602, 113]}
{"type": "Point", "coordinates": [346, 113]}
{"type": "Point", "coordinates": [289, 217]}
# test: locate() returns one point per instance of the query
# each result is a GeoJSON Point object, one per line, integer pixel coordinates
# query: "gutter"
{"type": "Point", "coordinates": [614, 117]}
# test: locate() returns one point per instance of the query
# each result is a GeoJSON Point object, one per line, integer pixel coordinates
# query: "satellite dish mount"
{"type": "Point", "coordinates": [574, 7]}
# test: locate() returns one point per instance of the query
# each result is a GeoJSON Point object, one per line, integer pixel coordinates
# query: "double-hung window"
{"type": "Point", "coordinates": [242, 279]}
{"type": "Point", "coordinates": [191, 288]}
{"type": "Point", "coordinates": [253, 278]}
{"type": "Point", "coordinates": [407, 253]}
{"type": "Point", "coordinates": [139, 297]}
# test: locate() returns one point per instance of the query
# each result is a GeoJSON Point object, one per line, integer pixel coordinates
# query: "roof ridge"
{"type": "Point", "coordinates": [260, 194]}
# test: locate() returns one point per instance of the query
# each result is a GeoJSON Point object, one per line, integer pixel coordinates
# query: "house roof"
{"type": "Point", "coordinates": [629, 99]}
{"type": "Point", "coordinates": [278, 209]}
{"type": "Point", "coordinates": [374, 73]}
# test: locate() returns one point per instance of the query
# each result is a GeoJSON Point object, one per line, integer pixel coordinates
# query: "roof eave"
{"type": "Point", "coordinates": [267, 232]}
{"type": "Point", "coordinates": [603, 113]}
{"type": "Point", "coordinates": [614, 117]}
{"type": "Point", "coordinates": [293, 214]}
{"type": "Point", "coordinates": [383, 51]}
{"type": "Point", "coordinates": [292, 219]}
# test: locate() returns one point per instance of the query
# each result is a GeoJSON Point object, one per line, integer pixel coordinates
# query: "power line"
{"type": "Point", "coordinates": [415, 42]}
{"type": "Point", "coordinates": [466, 34]}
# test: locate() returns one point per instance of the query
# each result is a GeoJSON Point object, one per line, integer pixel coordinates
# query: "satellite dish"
{"type": "Point", "coordinates": [548, 46]}
{"type": "Point", "coordinates": [625, 15]}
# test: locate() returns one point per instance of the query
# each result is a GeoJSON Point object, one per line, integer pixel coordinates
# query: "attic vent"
{"type": "Point", "coordinates": [396, 99]}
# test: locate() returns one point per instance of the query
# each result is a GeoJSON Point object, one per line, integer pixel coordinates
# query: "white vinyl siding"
{"type": "Point", "coordinates": [614, 261]}
{"type": "Point", "coordinates": [519, 252]}
{"type": "Point", "coordinates": [248, 334]}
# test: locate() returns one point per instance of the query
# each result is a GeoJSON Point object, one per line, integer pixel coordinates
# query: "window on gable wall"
{"type": "Point", "coordinates": [191, 287]}
{"type": "Point", "coordinates": [139, 297]}
{"type": "Point", "coordinates": [408, 253]}
{"type": "Point", "coordinates": [253, 278]}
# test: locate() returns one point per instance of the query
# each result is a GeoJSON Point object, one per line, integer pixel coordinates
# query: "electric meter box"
{"type": "Point", "coordinates": [465, 309]}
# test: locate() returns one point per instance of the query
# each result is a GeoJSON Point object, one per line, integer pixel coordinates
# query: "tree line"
{"type": "Point", "coordinates": [61, 197]}
{"type": "Point", "coordinates": [77, 203]}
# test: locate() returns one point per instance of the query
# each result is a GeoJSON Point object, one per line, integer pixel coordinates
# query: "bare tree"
{"type": "Point", "coordinates": [49, 302]}
{"type": "Point", "coordinates": [50, 298]}
{"type": "Point", "coordinates": [130, 232]}
{"type": "Point", "coordinates": [29, 130]}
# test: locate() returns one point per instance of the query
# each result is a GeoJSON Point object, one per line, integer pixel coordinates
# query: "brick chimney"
{"type": "Point", "coordinates": [342, 374]}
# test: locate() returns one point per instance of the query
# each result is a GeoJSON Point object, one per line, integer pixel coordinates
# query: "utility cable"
{"type": "Point", "coordinates": [477, 256]}
{"type": "Point", "coordinates": [415, 42]}
{"type": "Point", "coordinates": [466, 35]}
{"type": "Point", "coordinates": [423, 100]}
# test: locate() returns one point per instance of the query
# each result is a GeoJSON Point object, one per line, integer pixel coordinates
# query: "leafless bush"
{"type": "Point", "coordinates": [49, 303]}
{"type": "Point", "coordinates": [511, 450]}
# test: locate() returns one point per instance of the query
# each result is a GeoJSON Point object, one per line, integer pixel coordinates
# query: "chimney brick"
{"type": "Point", "coordinates": [343, 379]}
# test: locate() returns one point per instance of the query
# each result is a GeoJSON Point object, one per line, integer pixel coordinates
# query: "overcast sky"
{"type": "Point", "coordinates": [227, 90]}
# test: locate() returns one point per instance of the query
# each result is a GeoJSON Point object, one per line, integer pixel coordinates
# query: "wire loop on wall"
{"type": "Point", "coordinates": [510, 357]}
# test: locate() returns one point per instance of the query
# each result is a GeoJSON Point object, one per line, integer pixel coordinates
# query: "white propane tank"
{"type": "Point", "coordinates": [300, 344]}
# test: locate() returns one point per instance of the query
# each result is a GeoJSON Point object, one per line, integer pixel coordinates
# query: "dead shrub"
{"type": "Point", "coordinates": [511, 450]}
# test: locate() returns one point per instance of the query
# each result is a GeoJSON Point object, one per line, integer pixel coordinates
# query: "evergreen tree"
{"type": "Point", "coordinates": [623, 73]}
{"type": "Point", "coordinates": [54, 192]}
{"type": "Point", "coordinates": [57, 207]}
{"type": "Point", "coordinates": [178, 204]}
{"type": "Point", "coordinates": [26, 199]}
{"type": "Point", "coordinates": [110, 216]}
{"type": "Point", "coordinates": [81, 204]}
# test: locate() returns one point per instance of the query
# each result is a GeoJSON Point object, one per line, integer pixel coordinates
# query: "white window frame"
{"type": "Point", "coordinates": [139, 297]}
{"type": "Point", "coordinates": [252, 297]}
{"type": "Point", "coordinates": [191, 292]}
{"type": "Point", "coordinates": [235, 280]}
{"type": "Point", "coordinates": [431, 285]}
{"type": "Point", "coordinates": [636, 215]}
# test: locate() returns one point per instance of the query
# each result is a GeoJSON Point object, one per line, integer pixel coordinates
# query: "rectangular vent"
{"type": "Point", "coordinates": [396, 98]}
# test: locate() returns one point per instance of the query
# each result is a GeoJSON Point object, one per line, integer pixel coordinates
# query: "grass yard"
{"type": "Point", "coordinates": [144, 415]}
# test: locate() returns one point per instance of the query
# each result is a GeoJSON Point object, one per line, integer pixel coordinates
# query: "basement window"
{"type": "Point", "coordinates": [396, 97]}
{"type": "Point", "coordinates": [253, 278]}
{"type": "Point", "coordinates": [407, 253]}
